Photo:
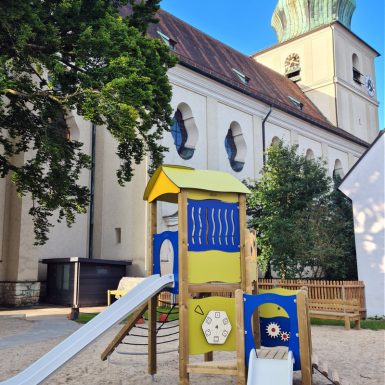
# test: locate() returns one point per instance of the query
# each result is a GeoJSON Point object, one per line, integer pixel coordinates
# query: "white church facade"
{"type": "Point", "coordinates": [365, 186]}
{"type": "Point", "coordinates": [229, 108]}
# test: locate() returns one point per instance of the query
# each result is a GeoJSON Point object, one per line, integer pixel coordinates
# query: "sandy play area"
{"type": "Point", "coordinates": [357, 355]}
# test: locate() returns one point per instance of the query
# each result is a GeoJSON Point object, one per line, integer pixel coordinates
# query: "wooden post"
{"type": "Point", "coordinates": [256, 321]}
{"type": "Point", "coordinates": [305, 347]}
{"type": "Point", "coordinates": [152, 303]}
{"type": "Point", "coordinates": [183, 288]}
{"type": "Point", "coordinates": [240, 340]}
{"type": "Point", "coordinates": [242, 246]}
{"type": "Point", "coordinates": [123, 332]}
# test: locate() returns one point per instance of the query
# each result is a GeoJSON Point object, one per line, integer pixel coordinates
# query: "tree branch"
{"type": "Point", "coordinates": [73, 66]}
{"type": "Point", "coordinates": [57, 99]}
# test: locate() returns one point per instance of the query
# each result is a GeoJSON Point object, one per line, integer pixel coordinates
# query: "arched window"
{"type": "Point", "coordinates": [338, 171]}
{"type": "Point", "coordinates": [235, 147]}
{"type": "Point", "coordinates": [275, 141]}
{"type": "Point", "coordinates": [356, 69]}
{"type": "Point", "coordinates": [166, 257]}
{"type": "Point", "coordinates": [309, 154]}
{"type": "Point", "coordinates": [184, 131]}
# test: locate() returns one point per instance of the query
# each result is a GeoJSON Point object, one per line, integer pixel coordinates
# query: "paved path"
{"type": "Point", "coordinates": [46, 322]}
{"type": "Point", "coordinates": [45, 310]}
{"type": "Point", "coordinates": [43, 328]}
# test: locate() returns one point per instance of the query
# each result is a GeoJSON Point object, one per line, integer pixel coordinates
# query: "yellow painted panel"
{"type": "Point", "coordinates": [210, 180]}
{"type": "Point", "coordinates": [270, 310]}
{"type": "Point", "coordinates": [189, 178]}
{"type": "Point", "coordinates": [214, 266]}
{"type": "Point", "coordinates": [163, 185]}
{"type": "Point", "coordinates": [197, 312]}
{"type": "Point", "coordinates": [200, 195]}
{"type": "Point", "coordinates": [278, 290]}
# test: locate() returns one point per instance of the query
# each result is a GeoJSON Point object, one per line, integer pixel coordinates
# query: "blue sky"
{"type": "Point", "coordinates": [245, 26]}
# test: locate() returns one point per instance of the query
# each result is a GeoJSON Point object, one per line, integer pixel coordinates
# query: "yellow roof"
{"type": "Point", "coordinates": [168, 180]}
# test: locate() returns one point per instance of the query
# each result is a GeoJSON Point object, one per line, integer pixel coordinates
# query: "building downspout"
{"type": "Point", "coordinates": [264, 134]}
{"type": "Point", "coordinates": [92, 193]}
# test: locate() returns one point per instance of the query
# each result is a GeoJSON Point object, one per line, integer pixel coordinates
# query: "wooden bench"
{"type": "Point", "coordinates": [338, 309]}
{"type": "Point", "coordinates": [125, 285]}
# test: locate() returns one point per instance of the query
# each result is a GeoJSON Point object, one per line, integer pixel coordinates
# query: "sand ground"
{"type": "Point", "coordinates": [357, 355]}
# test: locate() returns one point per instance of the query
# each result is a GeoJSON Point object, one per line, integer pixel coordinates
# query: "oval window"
{"type": "Point", "coordinates": [235, 147]}
{"type": "Point", "coordinates": [181, 135]}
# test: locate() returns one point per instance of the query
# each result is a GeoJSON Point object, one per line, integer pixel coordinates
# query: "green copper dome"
{"type": "Point", "coordinates": [292, 18]}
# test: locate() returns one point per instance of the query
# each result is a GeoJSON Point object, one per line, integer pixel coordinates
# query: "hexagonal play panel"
{"type": "Point", "coordinates": [216, 327]}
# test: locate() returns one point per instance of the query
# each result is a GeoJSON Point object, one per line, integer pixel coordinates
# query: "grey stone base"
{"type": "Point", "coordinates": [19, 293]}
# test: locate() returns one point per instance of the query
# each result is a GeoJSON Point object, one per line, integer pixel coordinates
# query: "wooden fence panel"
{"type": "Point", "coordinates": [322, 289]}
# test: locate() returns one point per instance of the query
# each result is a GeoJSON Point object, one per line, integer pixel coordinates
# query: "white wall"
{"type": "Point", "coordinates": [305, 143]}
{"type": "Point", "coordinates": [197, 104]}
{"type": "Point", "coordinates": [226, 116]}
{"type": "Point", "coordinates": [214, 107]}
{"type": "Point", "coordinates": [365, 186]}
{"type": "Point", "coordinates": [316, 56]}
{"type": "Point", "coordinates": [357, 111]}
{"type": "Point", "coordinates": [67, 242]}
{"type": "Point", "coordinates": [327, 76]}
{"type": "Point", "coordinates": [118, 207]}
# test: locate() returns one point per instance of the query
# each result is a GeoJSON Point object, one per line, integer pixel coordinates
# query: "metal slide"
{"type": "Point", "coordinates": [263, 371]}
{"type": "Point", "coordinates": [72, 345]}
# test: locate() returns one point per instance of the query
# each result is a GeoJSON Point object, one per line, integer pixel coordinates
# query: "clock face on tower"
{"type": "Point", "coordinates": [369, 84]}
{"type": "Point", "coordinates": [292, 62]}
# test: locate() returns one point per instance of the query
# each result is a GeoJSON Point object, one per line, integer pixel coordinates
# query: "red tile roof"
{"type": "Point", "coordinates": [214, 59]}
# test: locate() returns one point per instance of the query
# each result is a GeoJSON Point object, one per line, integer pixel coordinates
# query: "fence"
{"type": "Point", "coordinates": [322, 289]}
{"type": "Point", "coordinates": [316, 290]}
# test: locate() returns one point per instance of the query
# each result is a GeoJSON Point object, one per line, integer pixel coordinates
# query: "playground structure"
{"type": "Point", "coordinates": [211, 259]}
{"type": "Point", "coordinates": [215, 253]}
{"type": "Point", "coordinates": [214, 256]}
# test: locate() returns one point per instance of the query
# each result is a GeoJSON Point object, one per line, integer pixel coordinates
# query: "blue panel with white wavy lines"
{"type": "Point", "coordinates": [213, 225]}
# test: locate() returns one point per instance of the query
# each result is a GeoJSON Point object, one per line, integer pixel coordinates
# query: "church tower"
{"type": "Point", "coordinates": [333, 66]}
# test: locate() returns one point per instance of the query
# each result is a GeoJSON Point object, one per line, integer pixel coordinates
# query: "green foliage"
{"type": "Point", "coordinates": [345, 264]}
{"type": "Point", "coordinates": [371, 324]}
{"type": "Point", "coordinates": [173, 315]}
{"type": "Point", "coordinates": [83, 318]}
{"type": "Point", "coordinates": [301, 222]}
{"type": "Point", "coordinates": [59, 57]}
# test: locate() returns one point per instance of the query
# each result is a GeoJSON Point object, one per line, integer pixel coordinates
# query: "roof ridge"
{"type": "Point", "coordinates": [253, 61]}
{"type": "Point", "coordinates": [204, 33]}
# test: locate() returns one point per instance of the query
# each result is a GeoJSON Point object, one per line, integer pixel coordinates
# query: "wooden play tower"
{"type": "Point", "coordinates": [212, 262]}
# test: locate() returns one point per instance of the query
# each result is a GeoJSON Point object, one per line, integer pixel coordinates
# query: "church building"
{"type": "Point", "coordinates": [314, 88]}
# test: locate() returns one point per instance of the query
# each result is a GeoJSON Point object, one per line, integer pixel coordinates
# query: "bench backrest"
{"type": "Point", "coordinates": [338, 305]}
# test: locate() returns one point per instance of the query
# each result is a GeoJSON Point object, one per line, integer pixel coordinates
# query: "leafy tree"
{"type": "Point", "coordinates": [302, 227]}
{"type": "Point", "coordinates": [59, 57]}
{"type": "Point", "coordinates": [345, 265]}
